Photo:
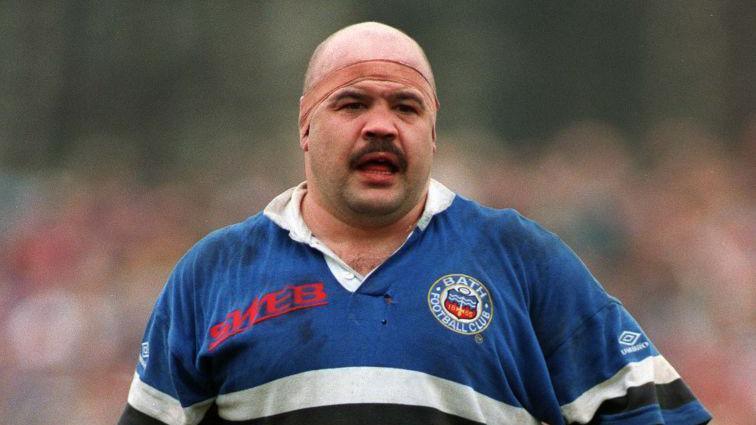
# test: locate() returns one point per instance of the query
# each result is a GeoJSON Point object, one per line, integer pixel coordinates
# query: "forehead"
{"type": "Point", "coordinates": [378, 88]}
{"type": "Point", "coordinates": [369, 74]}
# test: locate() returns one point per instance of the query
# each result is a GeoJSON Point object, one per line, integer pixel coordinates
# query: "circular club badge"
{"type": "Point", "coordinates": [461, 303]}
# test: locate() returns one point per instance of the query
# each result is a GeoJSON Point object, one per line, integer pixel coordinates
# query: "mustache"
{"type": "Point", "coordinates": [379, 145]}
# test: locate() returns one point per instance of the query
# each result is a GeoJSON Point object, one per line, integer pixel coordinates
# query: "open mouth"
{"type": "Point", "coordinates": [379, 163]}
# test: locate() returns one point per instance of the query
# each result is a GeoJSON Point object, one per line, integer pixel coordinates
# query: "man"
{"type": "Point", "coordinates": [372, 294]}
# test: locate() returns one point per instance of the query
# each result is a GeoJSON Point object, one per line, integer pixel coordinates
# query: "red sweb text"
{"type": "Point", "coordinates": [273, 304]}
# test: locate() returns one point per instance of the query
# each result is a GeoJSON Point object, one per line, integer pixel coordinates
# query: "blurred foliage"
{"type": "Point", "coordinates": [161, 86]}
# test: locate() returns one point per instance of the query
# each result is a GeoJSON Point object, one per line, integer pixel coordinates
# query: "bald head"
{"type": "Point", "coordinates": [365, 41]}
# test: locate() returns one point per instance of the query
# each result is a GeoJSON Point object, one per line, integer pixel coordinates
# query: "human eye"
{"type": "Point", "coordinates": [407, 108]}
{"type": "Point", "coordinates": [352, 106]}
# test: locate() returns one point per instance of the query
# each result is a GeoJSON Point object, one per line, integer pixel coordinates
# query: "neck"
{"type": "Point", "coordinates": [363, 247]}
{"type": "Point", "coordinates": [328, 226]}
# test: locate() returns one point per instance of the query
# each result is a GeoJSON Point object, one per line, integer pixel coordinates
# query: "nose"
{"type": "Point", "coordinates": [379, 124]}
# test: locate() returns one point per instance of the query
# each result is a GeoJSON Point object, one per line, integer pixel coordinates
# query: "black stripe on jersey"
{"type": "Point", "coordinates": [342, 414]}
{"type": "Point", "coordinates": [132, 416]}
{"type": "Point", "coordinates": [362, 414]}
{"type": "Point", "coordinates": [669, 396]}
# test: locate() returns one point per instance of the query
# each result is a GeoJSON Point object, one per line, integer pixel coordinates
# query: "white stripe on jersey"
{"type": "Point", "coordinates": [161, 406]}
{"type": "Point", "coordinates": [654, 369]}
{"type": "Point", "coordinates": [350, 385]}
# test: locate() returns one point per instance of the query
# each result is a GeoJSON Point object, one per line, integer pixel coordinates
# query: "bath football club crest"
{"type": "Point", "coordinates": [461, 303]}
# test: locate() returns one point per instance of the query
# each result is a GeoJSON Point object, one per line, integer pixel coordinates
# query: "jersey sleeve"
{"type": "Point", "coordinates": [169, 384]}
{"type": "Point", "coordinates": [603, 367]}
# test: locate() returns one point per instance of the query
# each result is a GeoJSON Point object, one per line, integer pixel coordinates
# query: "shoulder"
{"type": "Point", "coordinates": [500, 226]}
{"type": "Point", "coordinates": [544, 263]}
{"type": "Point", "coordinates": [230, 240]}
{"type": "Point", "coordinates": [221, 248]}
{"type": "Point", "coordinates": [204, 269]}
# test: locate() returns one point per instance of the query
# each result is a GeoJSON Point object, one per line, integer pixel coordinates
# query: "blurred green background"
{"type": "Point", "coordinates": [129, 130]}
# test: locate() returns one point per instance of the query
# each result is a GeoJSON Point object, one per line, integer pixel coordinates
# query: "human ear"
{"type": "Point", "coordinates": [304, 140]}
{"type": "Point", "coordinates": [433, 137]}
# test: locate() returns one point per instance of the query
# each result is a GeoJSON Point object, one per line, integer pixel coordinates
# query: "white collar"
{"type": "Point", "coordinates": [285, 211]}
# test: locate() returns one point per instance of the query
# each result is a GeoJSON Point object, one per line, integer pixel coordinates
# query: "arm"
{"type": "Point", "coordinates": [604, 368]}
{"type": "Point", "coordinates": [169, 385]}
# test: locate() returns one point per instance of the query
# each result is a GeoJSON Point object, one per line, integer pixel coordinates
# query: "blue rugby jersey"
{"type": "Point", "coordinates": [481, 317]}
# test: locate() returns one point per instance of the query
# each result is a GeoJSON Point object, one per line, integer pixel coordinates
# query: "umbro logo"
{"type": "Point", "coordinates": [630, 339]}
{"type": "Point", "coordinates": [144, 354]}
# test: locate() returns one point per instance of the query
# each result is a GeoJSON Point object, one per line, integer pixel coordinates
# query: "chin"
{"type": "Point", "coordinates": [375, 206]}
